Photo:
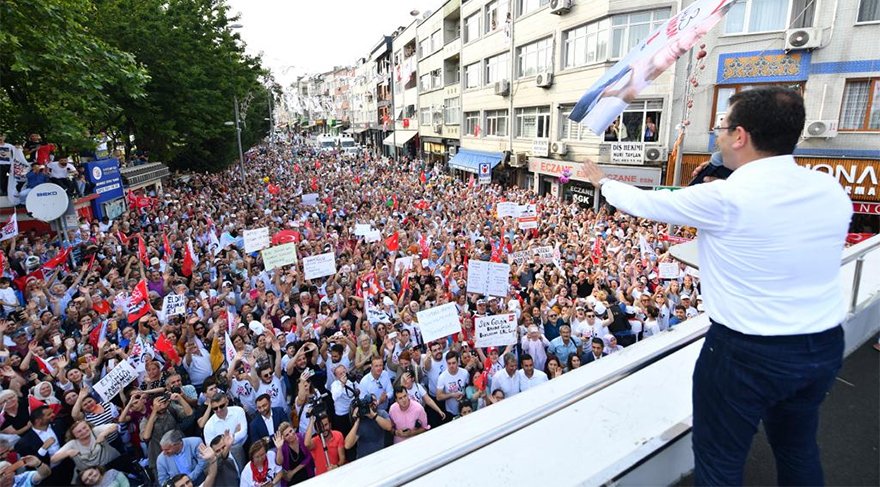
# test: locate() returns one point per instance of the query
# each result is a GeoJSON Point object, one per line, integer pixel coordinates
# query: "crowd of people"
{"type": "Point", "coordinates": [247, 376]}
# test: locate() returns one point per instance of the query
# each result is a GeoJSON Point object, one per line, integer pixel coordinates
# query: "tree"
{"type": "Point", "coordinates": [56, 74]}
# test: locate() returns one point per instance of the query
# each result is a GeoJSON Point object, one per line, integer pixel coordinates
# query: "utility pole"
{"type": "Point", "coordinates": [238, 136]}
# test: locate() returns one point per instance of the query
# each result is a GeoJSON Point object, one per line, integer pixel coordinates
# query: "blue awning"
{"type": "Point", "coordinates": [469, 160]}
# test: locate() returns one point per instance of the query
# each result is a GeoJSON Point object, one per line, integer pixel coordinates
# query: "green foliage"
{"type": "Point", "coordinates": [164, 71]}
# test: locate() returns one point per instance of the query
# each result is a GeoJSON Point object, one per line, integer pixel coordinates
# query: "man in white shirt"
{"type": "Point", "coordinates": [507, 379]}
{"type": "Point", "coordinates": [770, 245]}
{"type": "Point", "coordinates": [60, 172]}
{"type": "Point", "coordinates": [197, 363]}
{"type": "Point", "coordinates": [227, 418]}
{"type": "Point", "coordinates": [452, 383]}
{"type": "Point", "coordinates": [529, 376]}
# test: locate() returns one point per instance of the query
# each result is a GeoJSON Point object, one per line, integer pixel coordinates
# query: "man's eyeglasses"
{"type": "Point", "coordinates": [719, 128]}
{"type": "Point", "coordinates": [217, 408]}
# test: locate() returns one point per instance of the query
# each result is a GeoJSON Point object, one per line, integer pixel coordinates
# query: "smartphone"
{"type": "Point", "coordinates": [392, 335]}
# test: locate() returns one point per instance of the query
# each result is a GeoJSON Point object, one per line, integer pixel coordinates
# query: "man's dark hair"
{"type": "Point", "coordinates": [263, 397]}
{"type": "Point", "coordinates": [680, 307]}
{"type": "Point", "coordinates": [773, 117]}
{"type": "Point", "coordinates": [598, 341]}
{"type": "Point", "coordinates": [398, 389]}
{"type": "Point", "coordinates": [452, 354]}
{"type": "Point", "coordinates": [525, 357]}
{"type": "Point", "coordinates": [38, 413]}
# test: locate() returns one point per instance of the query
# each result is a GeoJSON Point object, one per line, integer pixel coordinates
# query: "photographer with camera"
{"type": "Point", "coordinates": [370, 425]}
{"type": "Point", "coordinates": [343, 391]}
{"type": "Point", "coordinates": [408, 416]}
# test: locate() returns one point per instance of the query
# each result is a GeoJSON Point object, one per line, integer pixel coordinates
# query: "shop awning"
{"type": "Point", "coordinates": [359, 131]}
{"type": "Point", "coordinates": [469, 160]}
{"type": "Point", "coordinates": [403, 136]}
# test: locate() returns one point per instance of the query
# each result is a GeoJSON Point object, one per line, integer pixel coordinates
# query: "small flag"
{"type": "Point", "coordinates": [393, 242]}
{"type": "Point", "coordinates": [44, 366]}
{"type": "Point", "coordinates": [230, 350]}
{"type": "Point", "coordinates": [142, 251]}
{"type": "Point", "coordinates": [10, 229]}
{"type": "Point", "coordinates": [167, 245]}
{"type": "Point", "coordinates": [59, 259]}
{"type": "Point", "coordinates": [164, 345]}
{"type": "Point", "coordinates": [139, 303]}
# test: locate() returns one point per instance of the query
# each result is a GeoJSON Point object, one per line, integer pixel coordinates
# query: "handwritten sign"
{"type": "Point", "coordinates": [256, 240]}
{"type": "Point", "coordinates": [495, 330]}
{"type": "Point", "coordinates": [115, 380]}
{"type": "Point", "coordinates": [320, 265]}
{"type": "Point", "coordinates": [539, 255]}
{"type": "Point", "coordinates": [669, 270]}
{"type": "Point", "coordinates": [279, 256]}
{"type": "Point", "coordinates": [310, 199]}
{"type": "Point", "coordinates": [439, 322]}
{"type": "Point", "coordinates": [488, 278]}
{"type": "Point", "coordinates": [173, 305]}
{"type": "Point", "coordinates": [507, 208]}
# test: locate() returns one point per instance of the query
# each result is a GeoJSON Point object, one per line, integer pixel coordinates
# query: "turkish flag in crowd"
{"type": "Point", "coordinates": [168, 252]}
{"type": "Point", "coordinates": [188, 260]}
{"type": "Point", "coordinates": [164, 345]}
{"type": "Point", "coordinates": [393, 242]}
{"type": "Point", "coordinates": [59, 259]}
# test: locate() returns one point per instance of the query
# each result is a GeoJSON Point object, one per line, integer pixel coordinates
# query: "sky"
{"type": "Point", "coordinates": [302, 37]}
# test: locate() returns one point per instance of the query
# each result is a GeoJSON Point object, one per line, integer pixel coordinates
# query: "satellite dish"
{"type": "Point", "coordinates": [47, 202]}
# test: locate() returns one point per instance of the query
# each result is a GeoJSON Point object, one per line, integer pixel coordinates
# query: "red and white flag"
{"type": "Point", "coordinates": [167, 245]}
{"type": "Point", "coordinates": [44, 366]}
{"type": "Point", "coordinates": [393, 242]}
{"type": "Point", "coordinates": [142, 251]}
{"type": "Point", "coordinates": [139, 302]}
{"type": "Point", "coordinates": [190, 260]}
{"type": "Point", "coordinates": [10, 229]}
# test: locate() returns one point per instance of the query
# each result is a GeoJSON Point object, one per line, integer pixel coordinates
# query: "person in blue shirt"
{"type": "Point", "coordinates": [564, 345]}
{"type": "Point", "coordinates": [35, 177]}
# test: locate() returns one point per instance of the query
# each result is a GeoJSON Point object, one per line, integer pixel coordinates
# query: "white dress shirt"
{"type": "Point", "coordinates": [235, 418]}
{"type": "Point", "coordinates": [45, 435]}
{"type": "Point", "coordinates": [507, 383]}
{"type": "Point", "coordinates": [770, 243]}
{"type": "Point", "coordinates": [525, 383]}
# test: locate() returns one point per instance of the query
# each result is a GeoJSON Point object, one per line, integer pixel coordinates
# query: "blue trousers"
{"type": "Point", "coordinates": [741, 380]}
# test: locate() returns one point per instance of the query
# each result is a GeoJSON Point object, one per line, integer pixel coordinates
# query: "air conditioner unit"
{"type": "Point", "coordinates": [560, 7]}
{"type": "Point", "coordinates": [438, 128]}
{"type": "Point", "coordinates": [558, 147]}
{"type": "Point", "coordinates": [502, 87]}
{"type": "Point", "coordinates": [544, 79]}
{"type": "Point", "coordinates": [655, 154]}
{"type": "Point", "coordinates": [806, 38]}
{"type": "Point", "coordinates": [820, 128]}
{"type": "Point", "coordinates": [521, 159]}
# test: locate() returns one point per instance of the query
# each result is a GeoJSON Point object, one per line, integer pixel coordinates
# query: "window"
{"type": "Point", "coordinates": [436, 79]}
{"type": "Point", "coordinates": [436, 41]}
{"type": "Point", "coordinates": [748, 16]}
{"type": "Point", "coordinates": [424, 47]}
{"type": "Point", "coordinates": [472, 28]}
{"type": "Point", "coordinates": [472, 75]}
{"type": "Point", "coordinates": [533, 123]}
{"type": "Point", "coordinates": [628, 30]}
{"type": "Point", "coordinates": [491, 21]}
{"type": "Point", "coordinates": [723, 94]}
{"type": "Point", "coordinates": [640, 121]}
{"type": "Point", "coordinates": [869, 11]}
{"type": "Point", "coordinates": [585, 44]}
{"type": "Point", "coordinates": [861, 105]}
{"type": "Point", "coordinates": [497, 68]}
{"type": "Point", "coordinates": [471, 122]}
{"type": "Point", "coordinates": [534, 57]}
{"type": "Point", "coordinates": [425, 82]}
{"type": "Point", "coordinates": [425, 116]}
{"type": "Point", "coordinates": [451, 111]}
{"type": "Point", "coordinates": [569, 129]}
{"type": "Point", "coordinates": [496, 123]}
{"type": "Point", "coordinates": [528, 6]}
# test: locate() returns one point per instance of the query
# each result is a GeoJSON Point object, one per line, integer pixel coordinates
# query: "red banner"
{"type": "Point", "coordinates": [139, 302]}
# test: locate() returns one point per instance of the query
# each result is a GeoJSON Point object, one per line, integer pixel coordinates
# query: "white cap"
{"type": "Point", "coordinates": [257, 327]}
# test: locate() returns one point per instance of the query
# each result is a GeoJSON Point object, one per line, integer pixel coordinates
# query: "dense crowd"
{"type": "Point", "coordinates": [243, 376]}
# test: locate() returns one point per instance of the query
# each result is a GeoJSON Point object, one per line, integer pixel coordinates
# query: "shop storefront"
{"type": "Point", "coordinates": [548, 172]}
{"type": "Point", "coordinates": [434, 150]}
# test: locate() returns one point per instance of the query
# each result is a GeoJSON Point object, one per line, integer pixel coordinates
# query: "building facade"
{"type": "Point", "coordinates": [826, 50]}
{"type": "Point", "coordinates": [406, 96]}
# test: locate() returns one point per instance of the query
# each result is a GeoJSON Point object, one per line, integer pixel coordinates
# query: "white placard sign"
{"type": "Point", "coordinates": [627, 153]}
{"type": "Point", "coordinates": [320, 265]}
{"type": "Point", "coordinates": [669, 270]}
{"type": "Point", "coordinates": [439, 322]}
{"type": "Point", "coordinates": [488, 278]}
{"type": "Point", "coordinates": [256, 240]}
{"type": "Point", "coordinates": [507, 208]}
{"type": "Point", "coordinates": [495, 330]}
{"type": "Point", "coordinates": [310, 199]}
{"type": "Point", "coordinates": [539, 255]}
{"type": "Point", "coordinates": [173, 305]}
{"type": "Point", "coordinates": [373, 236]}
{"type": "Point", "coordinates": [115, 380]}
{"type": "Point", "coordinates": [279, 256]}
{"type": "Point", "coordinates": [361, 229]}
{"type": "Point", "coordinates": [403, 264]}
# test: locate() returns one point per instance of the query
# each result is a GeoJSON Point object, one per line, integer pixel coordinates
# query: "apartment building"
{"type": "Point", "coordinates": [406, 95]}
{"type": "Point", "coordinates": [525, 63]}
{"type": "Point", "coordinates": [363, 100]}
{"type": "Point", "coordinates": [439, 88]}
{"type": "Point", "coordinates": [829, 51]}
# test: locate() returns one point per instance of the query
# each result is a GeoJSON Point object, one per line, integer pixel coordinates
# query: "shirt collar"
{"type": "Point", "coordinates": [761, 165]}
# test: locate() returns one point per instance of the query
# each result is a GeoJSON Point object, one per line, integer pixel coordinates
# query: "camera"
{"type": "Point", "coordinates": [318, 406]}
{"type": "Point", "coordinates": [176, 390]}
{"type": "Point", "coordinates": [365, 406]}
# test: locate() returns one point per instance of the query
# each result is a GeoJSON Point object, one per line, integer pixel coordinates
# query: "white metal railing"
{"type": "Point", "coordinates": [501, 430]}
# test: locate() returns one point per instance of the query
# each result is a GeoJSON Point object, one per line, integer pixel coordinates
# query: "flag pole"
{"type": "Point", "coordinates": [676, 172]}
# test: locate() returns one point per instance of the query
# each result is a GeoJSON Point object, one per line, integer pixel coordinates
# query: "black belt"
{"type": "Point", "coordinates": [781, 339]}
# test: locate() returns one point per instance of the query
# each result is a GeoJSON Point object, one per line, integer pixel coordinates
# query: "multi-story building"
{"type": "Point", "coordinates": [406, 95]}
{"type": "Point", "coordinates": [363, 100]}
{"type": "Point", "coordinates": [829, 52]}
{"type": "Point", "coordinates": [439, 88]}
{"type": "Point", "coordinates": [525, 63]}
{"type": "Point", "coordinates": [380, 56]}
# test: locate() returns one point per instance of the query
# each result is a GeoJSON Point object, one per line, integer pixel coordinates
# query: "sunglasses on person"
{"type": "Point", "coordinates": [217, 408]}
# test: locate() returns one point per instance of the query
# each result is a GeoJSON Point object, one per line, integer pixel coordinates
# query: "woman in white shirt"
{"type": "Point", "coordinates": [262, 469]}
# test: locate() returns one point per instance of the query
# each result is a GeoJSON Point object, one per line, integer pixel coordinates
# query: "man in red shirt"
{"type": "Point", "coordinates": [334, 441]}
